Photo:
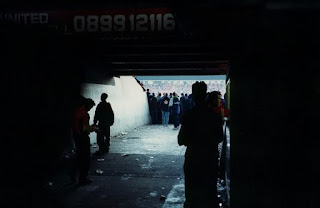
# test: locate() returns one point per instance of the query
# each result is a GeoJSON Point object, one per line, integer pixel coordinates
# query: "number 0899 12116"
{"type": "Point", "coordinates": [138, 22]}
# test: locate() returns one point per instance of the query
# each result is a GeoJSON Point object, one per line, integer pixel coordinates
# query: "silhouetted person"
{"type": "Point", "coordinates": [153, 107]}
{"type": "Point", "coordinates": [165, 109]}
{"type": "Point", "coordinates": [81, 131]}
{"type": "Point", "coordinates": [186, 105]}
{"type": "Point", "coordinates": [200, 133]}
{"type": "Point", "coordinates": [170, 108]}
{"type": "Point", "coordinates": [103, 118]}
{"type": "Point", "coordinates": [190, 100]}
{"type": "Point", "coordinates": [175, 111]}
{"type": "Point", "coordinates": [159, 98]}
{"type": "Point", "coordinates": [213, 101]}
{"type": "Point", "coordinates": [182, 106]}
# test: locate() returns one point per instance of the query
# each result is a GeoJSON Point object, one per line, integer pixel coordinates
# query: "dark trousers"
{"type": "Point", "coordinates": [159, 116]}
{"type": "Point", "coordinates": [154, 116]}
{"type": "Point", "coordinates": [176, 121]}
{"type": "Point", "coordinates": [200, 187]}
{"type": "Point", "coordinates": [103, 138]}
{"type": "Point", "coordinates": [82, 143]}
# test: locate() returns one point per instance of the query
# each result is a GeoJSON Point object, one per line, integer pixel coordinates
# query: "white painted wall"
{"type": "Point", "coordinates": [128, 100]}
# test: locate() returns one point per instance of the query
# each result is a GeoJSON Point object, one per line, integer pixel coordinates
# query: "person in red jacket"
{"type": "Point", "coordinates": [81, 130]}
{"type": "Point", "coordinates": [215, 104]}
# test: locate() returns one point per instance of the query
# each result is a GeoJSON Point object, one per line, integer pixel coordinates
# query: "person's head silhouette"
{"type": "Point", "coordinates": [88, 104]}
{"type": "Point", "coordinates": [104, 96]}
{"type": "Point", "coordinates": [199, 92]}
{"type": "Point", "coordinates": [213, 99]}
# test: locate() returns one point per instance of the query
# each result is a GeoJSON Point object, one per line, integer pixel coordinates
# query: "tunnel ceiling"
{"type": "Point", "coordinates": [150, 37]}
{"type": "Point", "coordinates": [194, 44]}
{"type": "Point", "coordinates": [167, 57]}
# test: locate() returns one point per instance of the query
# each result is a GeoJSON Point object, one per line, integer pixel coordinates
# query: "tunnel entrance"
{"type": "Point", "coordinates": [148, 143]}
{"type": "Point", "coordinates": [151, 144]}
{"type": "Point", "coordinates": [183, 59]}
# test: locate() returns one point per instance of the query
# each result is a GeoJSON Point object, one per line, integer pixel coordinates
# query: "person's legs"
{"type": "Point", "coordinates": [107, 140]}
{"type": "Point", "coordinates": [72, 164]}
{"type": "Point", "coordinates": [159, 116]}
{"type": "Point", "coordinates": [152, 116]}
{"type": "Point", "coordinates": [163, 118]}
{"type": "Point", "coordinates": [100, 140]}
{"type": "Point", "coordinates": [176, 120]}
{"type": "Point", "coordinates": [170, 116]}
{"type": "Point", "coordinates": [76, 167]}
{"type": "Point", "coordinates": [167, 117]}
{"type": "Point", "coordinates": [83, 153]}
{"type": "Point", "coordinates": [104, 139]}
{"type": "Point", "coordinates": [187, 187]}
{"type": "Point", "coordinates": [156, 116]}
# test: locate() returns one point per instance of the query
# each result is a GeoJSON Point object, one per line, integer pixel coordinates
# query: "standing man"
{"type": "Point", "coordinates": [159, 98]}
{"type": "Point", "coordinates": [164, 103]}
{"type": "Point", "coordinates": [201, 131]}
{"type": "Point", "coordinates": [182, 107]}
{"type": "Point", "coordinates": [81, 130]}
{"type": "Point", "coordinates": [153, 106]}
{"type": "Point", "coordinates": [104, 118]}
{"type": "Point", "coordinates": [175, 111]}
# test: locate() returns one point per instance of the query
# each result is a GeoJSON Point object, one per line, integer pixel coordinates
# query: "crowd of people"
{"type": "Point", "coordinates": [170, 108]}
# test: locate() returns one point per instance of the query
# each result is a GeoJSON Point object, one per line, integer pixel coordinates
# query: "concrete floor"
{"type": "Point", "coordinates": [144, 169]}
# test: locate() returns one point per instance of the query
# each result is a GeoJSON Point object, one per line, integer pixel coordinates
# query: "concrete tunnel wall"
{"type": "Point", "coordinates": [127, 98]}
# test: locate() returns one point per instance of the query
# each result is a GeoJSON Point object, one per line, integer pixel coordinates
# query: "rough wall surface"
{"type": "Point", "coordinates": [128, 100]}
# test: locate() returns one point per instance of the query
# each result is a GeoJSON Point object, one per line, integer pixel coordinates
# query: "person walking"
{"type": "Point", "coordinates": [200, 132]}
{"type": "Point", "coordinates": [103, 118]}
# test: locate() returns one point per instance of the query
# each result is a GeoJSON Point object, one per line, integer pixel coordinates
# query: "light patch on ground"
{"type": "Point", "coordinates": [176, 197]}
